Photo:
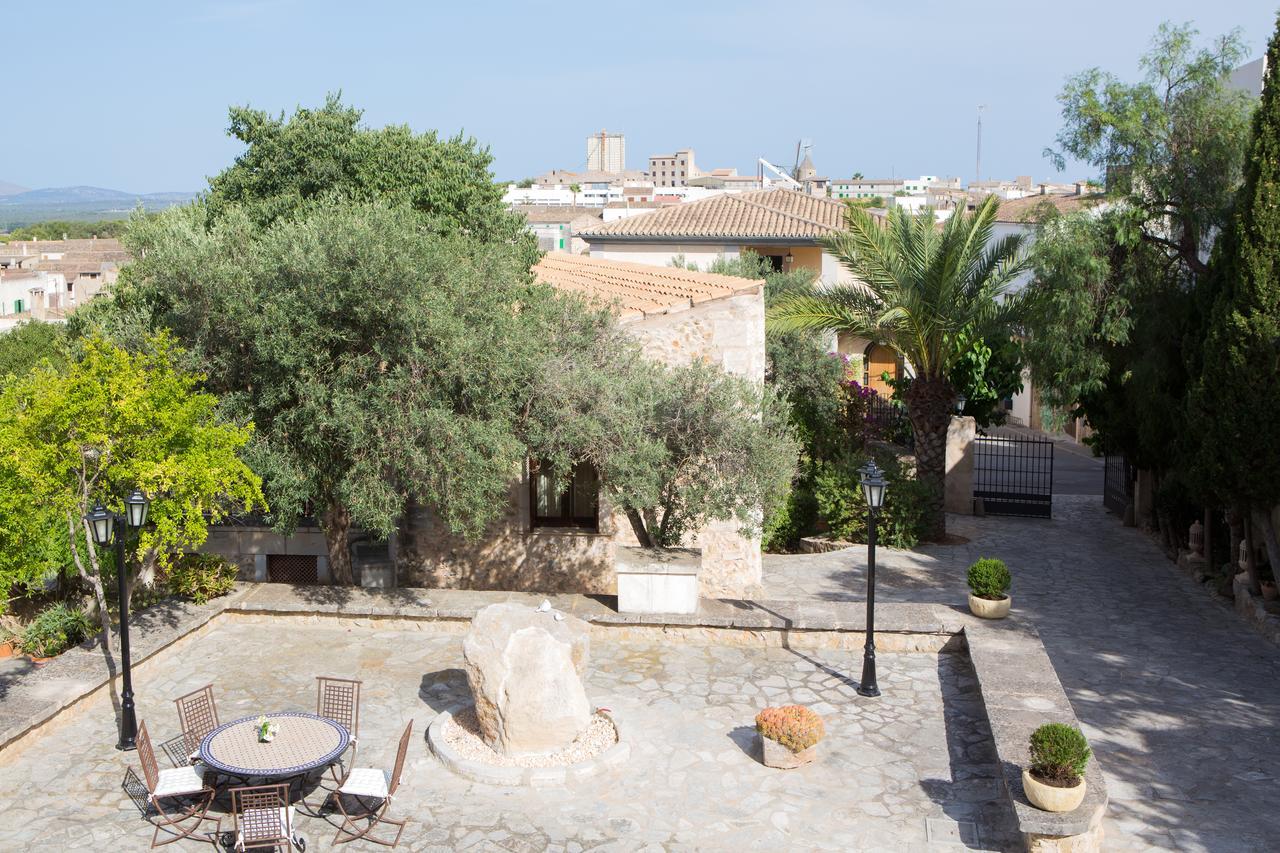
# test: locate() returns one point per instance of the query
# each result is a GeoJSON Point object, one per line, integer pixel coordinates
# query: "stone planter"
{"type": "Point", "coordinates": [1050, 797]}
{"type": "Point", "coordinates": [658, 580]}
{"type": "Point", "coordinates": [988, 609]}
{"type": "Point", "coordinates": [777, 755]}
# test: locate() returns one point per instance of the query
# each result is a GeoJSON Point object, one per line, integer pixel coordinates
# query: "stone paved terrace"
{"type": "Point", "coordinates": [1178, 697]}
{"type": "Point", "coordinates": [914, 770]}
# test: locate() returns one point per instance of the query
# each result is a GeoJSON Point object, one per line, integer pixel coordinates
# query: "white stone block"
{"type": "Point", "coordinates": [664, 581]}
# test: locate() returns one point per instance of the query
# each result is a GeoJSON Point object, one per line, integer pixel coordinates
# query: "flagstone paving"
{"type": "Point", "coordinates": [1179, 697]}
{"type": "Point", "coordinates": [912, 770]}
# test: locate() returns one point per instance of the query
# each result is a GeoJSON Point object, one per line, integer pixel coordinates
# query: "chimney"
{"type": "Point", "coordinates": [1081, 188]}
{"type": "Point", "coordinates": [1044, 189]}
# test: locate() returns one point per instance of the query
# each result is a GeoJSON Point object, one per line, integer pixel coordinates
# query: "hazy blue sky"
{"type": "Point", "coordinates": [133, 95]}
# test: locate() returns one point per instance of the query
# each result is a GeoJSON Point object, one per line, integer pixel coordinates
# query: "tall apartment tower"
{"type": "Point", "coordinates": [606, 152]}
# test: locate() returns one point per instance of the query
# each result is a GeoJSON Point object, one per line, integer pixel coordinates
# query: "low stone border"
{"type": "Point", "coordinates": [1254, 610]}
{"type": "Point", "coordinates": [536, 777]}
{"type": "Point", "coordinates": [823, 545]}
{"type": "Point", "coordinates": [1020, 691]}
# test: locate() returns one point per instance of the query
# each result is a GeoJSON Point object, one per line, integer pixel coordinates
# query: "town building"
{"type": "Point", "coordinates": [556, 227]}
{"type": "Point", "coordinates": [606, 152]}
{"type": "Point", "coordinates": [44, 279]}
{"type": "Point", "coordinates": [673, 170]}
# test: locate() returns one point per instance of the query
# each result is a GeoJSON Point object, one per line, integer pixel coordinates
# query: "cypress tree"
{"type": "Point", "coordinates": [1236, 406]}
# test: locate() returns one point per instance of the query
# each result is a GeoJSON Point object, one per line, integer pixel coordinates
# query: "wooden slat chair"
{"type": "Point", "coordinates": [198, 715]}
{"type": "Point", "coordinates": [372, 789]}
{"type": "Point", "coordinates": [339, 700]}
{"type": "Point", "coordinates": [264, 818]}
{"type": "Point", "coordinates": [184, 783]}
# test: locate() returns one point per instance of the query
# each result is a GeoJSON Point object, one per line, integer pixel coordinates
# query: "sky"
{"type": "Point", "coordinates": [134, 95]}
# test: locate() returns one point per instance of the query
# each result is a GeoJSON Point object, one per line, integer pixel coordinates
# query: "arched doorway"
{"type": "Point", "coordinates": [878, 360]}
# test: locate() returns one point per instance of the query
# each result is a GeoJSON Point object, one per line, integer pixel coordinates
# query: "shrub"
{"type": "Point", "coordinates": [54, 630]}
{"type": "Point", "coordinates": [841, 505]}
{"type": "Point", "coordinates": [1059, 754]}
{"type": "Point", "coordinates": [989, 578]}
{"type": "Point", "coordinates": [794, 519]}
{"type": "Point", "coordinates": [794, 726]}
{"type": "Point", "coordinates": [201, 577]}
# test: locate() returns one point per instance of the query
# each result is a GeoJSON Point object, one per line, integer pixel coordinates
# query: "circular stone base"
{"type": "Point", "coordinates": [548, 771]}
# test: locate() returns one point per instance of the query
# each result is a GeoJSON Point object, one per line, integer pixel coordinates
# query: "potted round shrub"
{"type": "Point", "coordinates": [989, 583]}
{"type": "Point", "coordinates": [789, 736]}
{"type": "Point", "coordinates": [1055, 780]}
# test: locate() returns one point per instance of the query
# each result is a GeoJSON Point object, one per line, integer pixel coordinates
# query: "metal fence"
{"type": "Point", "coordinates": [1117, 483]}
{"type": "Point", "coordinates": [889, 422]}
{"type": "Point", "coordinates": [1013, 476]}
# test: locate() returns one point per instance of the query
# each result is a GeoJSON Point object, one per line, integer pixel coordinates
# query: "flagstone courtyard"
{"type": "Point", "coordinates": [1177, 696]}
{"type": "Point", "coordinates": [913, 769]}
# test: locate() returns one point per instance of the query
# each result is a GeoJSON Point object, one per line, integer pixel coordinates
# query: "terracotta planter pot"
{"type": "Point", "coordinates": [988, 609]}
{"type": "Point", "coordinates": [777, 755]}
{"type": "Point", "coordinates": [1050, 797]}
{"type": "Point", "coordinates": [8, 649]}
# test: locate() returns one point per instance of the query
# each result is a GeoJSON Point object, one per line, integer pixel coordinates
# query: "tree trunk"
{"type": "Point", "coordinates": [1255, 585]}
{"type": "Point", "coordinates": [637, 526]}
{"type": "Point", "coordinates": [94, 578]}
{"type": "Point", "coordinates": [337, 538]}
{"type": "Point", "coordinates": [1264, 524]}
{"type": "Point", "coordinates": [1235, 533]}
{"type": "Point", "coordinates": [929, 403]}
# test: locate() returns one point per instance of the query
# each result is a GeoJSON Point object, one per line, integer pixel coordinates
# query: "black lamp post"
{"type": "Point", "coordinates": [873, 489]}
{"type": "Point", "coordinates": [107, 525]}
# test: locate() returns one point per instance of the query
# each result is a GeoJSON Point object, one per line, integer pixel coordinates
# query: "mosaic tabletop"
{"type": "Point", "coordinates": [303, 742]}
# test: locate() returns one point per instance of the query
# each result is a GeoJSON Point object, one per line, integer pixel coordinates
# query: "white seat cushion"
{"type": "Point", "coordinates": [261, 817]}
{"type": "Point", "coordinates": [179, 780]}
{"type": "Point", "coordinates": [366, 782]}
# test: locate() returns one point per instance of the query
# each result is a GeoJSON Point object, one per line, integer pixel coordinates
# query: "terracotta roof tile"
{"type": "Point", "coordinates": [766, 214]}
{"type": "Point", "coordinates": [637, 290]}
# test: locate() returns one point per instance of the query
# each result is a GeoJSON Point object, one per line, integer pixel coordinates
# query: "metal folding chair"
{"type": "Point", "coordinates": [339, 700]}
{"type": "Point", "coordinates": [372, 789]}
{"type": "Point", "coordinates": [264, 818]}
{"type": "Point", "coordinates": [198, 715]}
{"type": "Point", "coordinates": [185, 783]}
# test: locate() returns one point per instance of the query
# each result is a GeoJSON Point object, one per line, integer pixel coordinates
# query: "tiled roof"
{"type": "Point", "coordinates": [764, 214]}
{"type": "Point", "coordinates": [637, 290]}
{"type": "Point", "coordinates": [550, 213]}
{"type": "Point", "coordinates": [1022, 210]}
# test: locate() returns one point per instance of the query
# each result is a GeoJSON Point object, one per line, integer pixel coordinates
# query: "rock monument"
{"type": "Point", "coordinates": [525, 668]}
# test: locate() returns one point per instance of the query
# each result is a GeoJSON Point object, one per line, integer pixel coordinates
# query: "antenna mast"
{"type": "Point", "coordinates": [978, 165]}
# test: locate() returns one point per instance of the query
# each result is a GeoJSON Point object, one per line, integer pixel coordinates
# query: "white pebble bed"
{"type": "Point", "coordinates": [462, 733]}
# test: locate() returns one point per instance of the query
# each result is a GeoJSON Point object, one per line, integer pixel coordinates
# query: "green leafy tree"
{"type": "Point", "coordinates": [1171, 144]}
{"type": "Point", "coordinates": [923, 290]}
{"type": "Point", "coordinates": [27, 344]}
{"type": "Point", "coordinates": [1110, 313]}
{"type": "Point", "coordinates": [383, 364]}
{"type": "Point", "coordinates": [105, 424]}
{"type": "Point", "coordinates": [1235, 401]}
{"type": "Point", "coordinates": [575, 189]}
{"type": "Point", "coordinates": [675, 447]}
{"type": "Point", "coordinates": [59, 229]}
{"type": "Point", "coordinates": [326, 153]}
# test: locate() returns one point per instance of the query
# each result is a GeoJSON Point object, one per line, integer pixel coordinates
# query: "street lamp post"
{"type": "Point", "coordinates": [106, 526]}
{"type": "Point", "coordinates": [873, 489]}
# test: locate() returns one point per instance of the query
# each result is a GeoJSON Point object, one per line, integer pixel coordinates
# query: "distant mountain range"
{"type": "Point", "coordinates": [21, 206]}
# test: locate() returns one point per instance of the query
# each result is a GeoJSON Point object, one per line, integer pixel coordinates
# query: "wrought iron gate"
{"type": "Point", "coordinates": [1117, 483]}
{"type": "Point", "coordinates": [1013, 476]}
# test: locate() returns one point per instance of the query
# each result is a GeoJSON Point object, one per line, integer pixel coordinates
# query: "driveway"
{"type": "Point", "coordinates": [1179, 698]}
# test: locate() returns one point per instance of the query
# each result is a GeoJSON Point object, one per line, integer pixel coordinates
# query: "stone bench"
{"type": "Point", "coordinates": [657, 581]}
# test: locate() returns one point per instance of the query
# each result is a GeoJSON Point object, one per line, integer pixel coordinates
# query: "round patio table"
{"type": "Point", "coordinates": [304, 742]}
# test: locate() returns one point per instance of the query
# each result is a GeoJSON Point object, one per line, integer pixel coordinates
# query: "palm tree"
{"type": "Point", "coordinates": [923, 288]}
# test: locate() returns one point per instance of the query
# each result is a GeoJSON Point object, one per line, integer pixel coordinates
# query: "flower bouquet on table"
{"type": "Point", "coordinates": [267, 730]}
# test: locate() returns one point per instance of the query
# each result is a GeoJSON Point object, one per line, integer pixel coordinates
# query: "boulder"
{"type": "Point", "coordinates": [525, 669]}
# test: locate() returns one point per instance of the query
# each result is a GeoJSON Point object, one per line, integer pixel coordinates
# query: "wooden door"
{"type": "Point", "coordinates": [879, 360]}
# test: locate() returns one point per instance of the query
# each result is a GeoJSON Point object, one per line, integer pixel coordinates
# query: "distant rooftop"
{"type": "Point", "coordinates": [776, 214]}
{"type": "Point", "coordinates": [637, 290]}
